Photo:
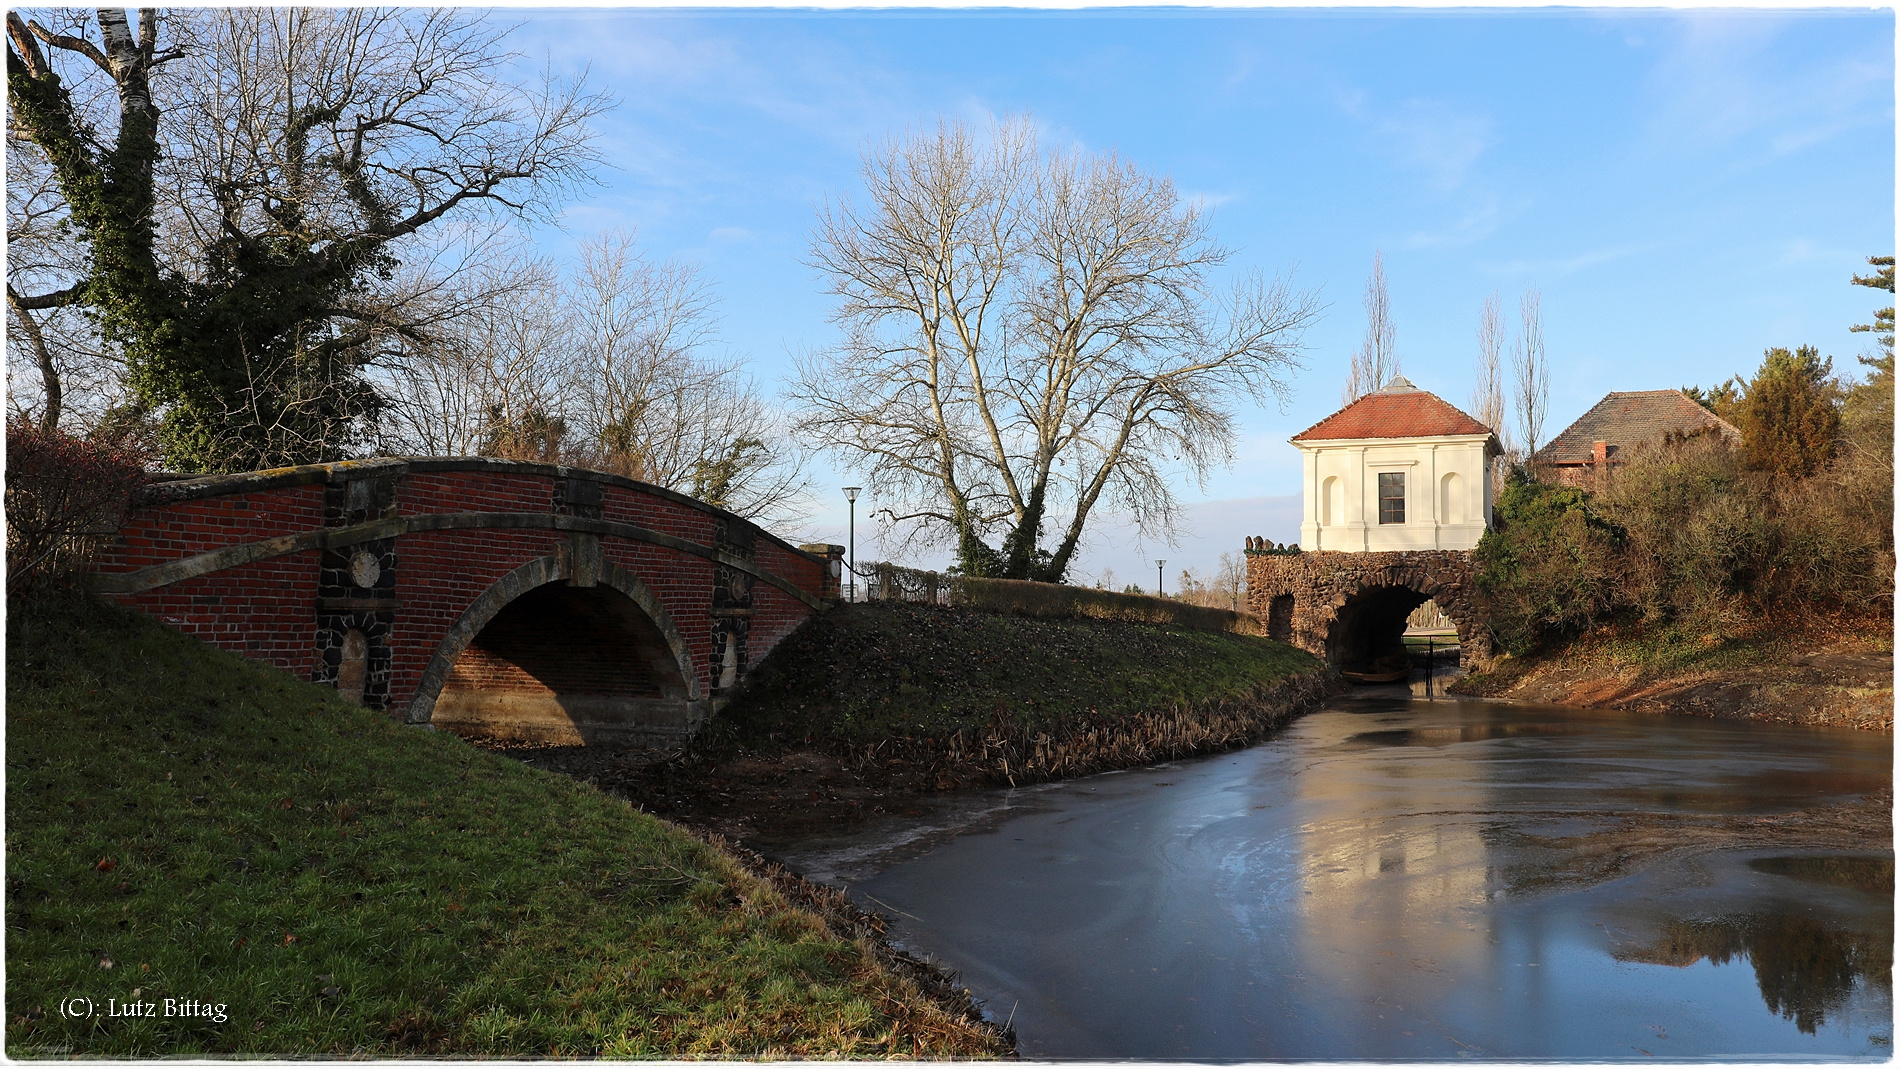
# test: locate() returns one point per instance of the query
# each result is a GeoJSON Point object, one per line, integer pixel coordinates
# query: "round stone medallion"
{"type": "Point", "coordinates": [364, 569]}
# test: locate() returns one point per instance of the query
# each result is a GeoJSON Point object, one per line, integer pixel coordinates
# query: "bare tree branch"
{"type": "Point", "coordinates": [1027, 336]}
{"type": "Point", "coordinates": [1377, 358]}
{"type": "Point", "coordinates": [1531, 366]}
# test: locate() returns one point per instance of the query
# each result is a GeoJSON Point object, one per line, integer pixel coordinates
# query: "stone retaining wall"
{"type": "Point", "coordinates": [1324, 602]}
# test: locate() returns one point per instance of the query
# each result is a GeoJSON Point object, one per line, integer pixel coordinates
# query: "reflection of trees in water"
{"type": "Point", "coordinates": [1871, 874]}
{"type": "Point", "coordinates": [1805, 969]}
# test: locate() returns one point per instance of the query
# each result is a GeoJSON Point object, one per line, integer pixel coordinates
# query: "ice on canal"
{"type": "Point", "coordinates": [1392, 879]}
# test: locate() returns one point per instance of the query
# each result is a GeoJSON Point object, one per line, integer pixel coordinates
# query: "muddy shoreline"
{"type": "Point", "coordinates": [870, 931]}
{"type": "Point", "coordinates": [1846, 681]}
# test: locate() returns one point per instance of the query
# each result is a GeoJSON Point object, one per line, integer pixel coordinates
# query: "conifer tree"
{"type": "Point", "coordinates": [1791, 416]}
{"type": "Point", "coordinates": [1867, 417]}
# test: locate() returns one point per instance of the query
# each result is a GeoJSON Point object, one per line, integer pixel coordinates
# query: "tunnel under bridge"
{"type": "Point", "coordinates": [1351, 608]}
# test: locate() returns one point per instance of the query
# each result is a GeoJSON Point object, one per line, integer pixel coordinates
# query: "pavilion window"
{"type": "Point", "coordinates": [1391, 497]}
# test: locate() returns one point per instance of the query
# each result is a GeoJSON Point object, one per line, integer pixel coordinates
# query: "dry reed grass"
{"type": "Point", "coordinates": [931, 1014]}
{"type": "Point", "coordinates": [1009, 753]}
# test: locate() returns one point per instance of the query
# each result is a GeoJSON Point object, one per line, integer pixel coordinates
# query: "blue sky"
{"type": "Point", "coordinates": [1685, 188]}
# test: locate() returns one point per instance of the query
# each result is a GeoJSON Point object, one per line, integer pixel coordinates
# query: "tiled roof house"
{"type": "Point", "coordinates": [1618, 424]}
{"type": "Point", "coordinates": [1398, 411]}
{"type": "Point", "coordinates": [1397, 469]}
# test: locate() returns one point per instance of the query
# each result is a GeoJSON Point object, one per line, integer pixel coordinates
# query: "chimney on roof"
{"type": "Point", "coordinates": [1599, 453]}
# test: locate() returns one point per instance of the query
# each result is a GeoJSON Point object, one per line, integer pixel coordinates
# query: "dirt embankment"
{"type": "Point", "coordinates": [1825, 673]}
{"type": "Point", "coordinates": [800, 791]}
{"type": "Point", "coordinates": [866, 711]}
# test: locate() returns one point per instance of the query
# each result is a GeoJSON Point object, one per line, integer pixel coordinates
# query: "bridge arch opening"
{"type": "Point", "coordinates": [568, 665]}
{"type": "Point", "coordinates": [1370, 625]}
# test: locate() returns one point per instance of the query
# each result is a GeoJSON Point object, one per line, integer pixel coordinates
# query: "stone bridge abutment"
{"type": "Point", "coordinates": [1350, 608]}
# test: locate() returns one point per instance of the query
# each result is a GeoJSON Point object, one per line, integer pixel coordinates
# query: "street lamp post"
{"type": "Point", "coordinates": [1159, 592]}
{"type": "Point", "coordinates": [851, 495]}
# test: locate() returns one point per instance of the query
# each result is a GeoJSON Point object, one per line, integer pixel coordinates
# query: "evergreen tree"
{"type": "Point", "coordinates": [1867, 416]}
{"type": "Point", "coordinates": [1791, 415]}
{"type": "Point", "coordinates": [1723, 400]}
{"type": "Point", "coordinates": [1882, 326]}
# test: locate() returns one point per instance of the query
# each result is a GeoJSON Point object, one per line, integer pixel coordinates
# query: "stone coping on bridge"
{"type": "Point", "coordinates": [170, 488]}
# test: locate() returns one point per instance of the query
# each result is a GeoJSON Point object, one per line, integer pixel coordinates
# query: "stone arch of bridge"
{"type": "Point", "coordinates": [1367, 620]}
{"type": "Point", "coordinates": [552, 652]}
{"type": "Point", "coordinates": [1351, 607]}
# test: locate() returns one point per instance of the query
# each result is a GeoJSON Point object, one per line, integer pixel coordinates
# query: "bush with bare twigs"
{"type": "Point", "coordinates": [64, 494]}
{"type": "Point", "coordinates": [1684, 533]}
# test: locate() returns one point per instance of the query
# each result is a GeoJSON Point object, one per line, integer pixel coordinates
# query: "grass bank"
{"type": "Point", "coordinates": [1821, 670]}
{"type": "Point", "coordinates": [868, 708]}
{"type": "Point", "coordinates": [186, 825]}
{"type": "Point", "coordinates": [961, 695]}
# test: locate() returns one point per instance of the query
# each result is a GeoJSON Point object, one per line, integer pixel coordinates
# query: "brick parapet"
{"type": "Point", "coordinates": [197, 553]}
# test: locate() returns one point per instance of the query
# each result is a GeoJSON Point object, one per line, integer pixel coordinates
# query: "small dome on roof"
{"type": "Point", "coordinates": [1399, 384]}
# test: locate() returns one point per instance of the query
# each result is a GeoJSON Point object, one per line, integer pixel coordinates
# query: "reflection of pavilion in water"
{"type": "Point", "coordinates": [1393, 902]}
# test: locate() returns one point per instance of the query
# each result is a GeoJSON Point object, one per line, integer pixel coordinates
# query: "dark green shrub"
{"type": "Point", "coordinates": [1548, 568]}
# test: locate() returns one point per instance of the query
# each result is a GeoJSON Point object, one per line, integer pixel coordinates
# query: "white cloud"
{"type": "Point", "coordinates": [1479, 221]}
{"type": "Point", "coordinates": [1731, 76]}
{"type": "Point", "coordinates": [1433, 138]}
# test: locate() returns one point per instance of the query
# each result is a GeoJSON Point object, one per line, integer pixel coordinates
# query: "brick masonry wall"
{"type": "Point", "coordinates": [265, 609]}
{"type": "Point", "coordinates": [1302, 597]}
{"type": "Point", "coordinates": [303, 611]}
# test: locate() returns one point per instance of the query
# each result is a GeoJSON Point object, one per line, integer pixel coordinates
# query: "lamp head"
{"type": "Point", "coordinates": [851, 492]}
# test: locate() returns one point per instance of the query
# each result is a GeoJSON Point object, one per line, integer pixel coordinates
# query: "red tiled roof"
{"type": "Point", "coordinates": [1409, 413]}
{"type": "Point", "coordinates": [1626, 420]}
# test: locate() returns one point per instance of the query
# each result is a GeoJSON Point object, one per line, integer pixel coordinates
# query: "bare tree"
{"type": "Point", "coordinates": [1487, 397]}
{"type": "Point", "coordinates": [1531, 367]}
{"type": "Point", "coordinates": [491, 378]}
{"type": "Point", "coordinates": [1029, 335]}
{"type": "Point", "coordinates": [1223, 590]}
{"type": "Point", "coordinates": [57, 366]}
{"type": "Point", "coordinates": [607, 367]}
{"type": "Point", "coordinates": [653, 404]}
{"type": "Point", "coordinates": [1377, 358]}
{"type": "Point", "coordinates": [252, 190]}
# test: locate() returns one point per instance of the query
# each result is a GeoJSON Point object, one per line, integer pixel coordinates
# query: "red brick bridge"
{"type": "Point", "coordinates": [491, 597]}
